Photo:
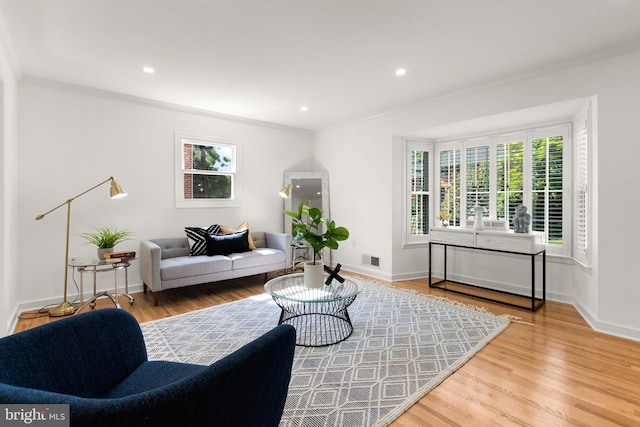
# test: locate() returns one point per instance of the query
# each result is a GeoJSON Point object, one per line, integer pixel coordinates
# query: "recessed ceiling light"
{"type": "Point", "coordinates": [304, 108]}
{"type": "Point", "coordinates": [401, 72]}
{"type": "Point", "coordinates": [148, 70]}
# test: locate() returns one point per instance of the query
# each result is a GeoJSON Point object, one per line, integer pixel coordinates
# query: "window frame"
{"type": "Point", "coordinates": [410, 145]}
{"type": "Point", "coordinates": [180, 201]}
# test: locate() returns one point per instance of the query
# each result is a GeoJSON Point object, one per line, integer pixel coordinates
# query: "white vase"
{"type": "Point", "coordinates": [479, 224]}
{"type": "Point", "coordinates": [313, 274]}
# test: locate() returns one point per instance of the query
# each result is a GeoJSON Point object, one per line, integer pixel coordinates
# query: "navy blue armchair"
{"type": "Point", "coordinates": [97, 363]}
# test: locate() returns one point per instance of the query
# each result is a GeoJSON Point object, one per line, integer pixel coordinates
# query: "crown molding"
{"type": "Point", "coordinates": [52, 84]}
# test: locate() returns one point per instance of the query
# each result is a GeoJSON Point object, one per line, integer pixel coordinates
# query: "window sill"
{"type": "Point", "coordinates": [201, 203]}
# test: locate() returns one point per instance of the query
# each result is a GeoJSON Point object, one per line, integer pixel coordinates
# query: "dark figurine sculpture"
{"type": "Point", "coordinates": [521, 220]}
{"type": "Point", "coordinates": [333, 274]}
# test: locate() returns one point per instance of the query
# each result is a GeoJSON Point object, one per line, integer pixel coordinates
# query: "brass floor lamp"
{"type": "Point", "coordinates": [66, 308]}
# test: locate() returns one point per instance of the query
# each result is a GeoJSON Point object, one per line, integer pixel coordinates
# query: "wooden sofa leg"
{"type": "Point", "coordinates": [156, 297]}
{"type": "Point", "coordinates": [144, 288]}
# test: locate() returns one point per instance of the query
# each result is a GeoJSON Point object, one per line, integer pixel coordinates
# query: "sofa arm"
{"type": "Point", "coordinates": [280, 241]}
{"type": "Point", "coordinates": [150, 265]}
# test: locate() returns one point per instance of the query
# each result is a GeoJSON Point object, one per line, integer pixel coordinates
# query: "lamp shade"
{"type": "Point", "coordinates": [284, 193]}
{"type": "Point", "coordinates": [116, 191]}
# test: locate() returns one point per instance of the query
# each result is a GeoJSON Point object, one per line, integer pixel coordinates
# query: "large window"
{"type": "Point", "coordinates": [501, 172]}
{"type": "Point", "coordinates": [546, 169]}
{"type": "Point", "coordinates": [206, 172]}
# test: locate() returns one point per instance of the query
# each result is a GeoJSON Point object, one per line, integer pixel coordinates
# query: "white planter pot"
{"type": "Point", "coordinates": [313, 274]}
{"type": "Point", "coordinates": [102, 251]}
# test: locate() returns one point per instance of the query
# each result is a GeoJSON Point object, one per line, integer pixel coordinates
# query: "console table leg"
{"type": "Point", "coordinates": [445, 263]}
{"type": "Point", "coordinates": [533, 282]}
{"type": "Point", "coordinates": [544, 276]}
{"type": "Point", "coordinates": [429, 264]}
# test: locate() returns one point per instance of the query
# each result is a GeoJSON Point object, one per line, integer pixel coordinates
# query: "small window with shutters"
{"type": "Point", "coordinates": [418, 183]}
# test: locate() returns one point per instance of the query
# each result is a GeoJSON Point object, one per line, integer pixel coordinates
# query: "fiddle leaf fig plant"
{"type": "Point", "coordinates": [308, 225]}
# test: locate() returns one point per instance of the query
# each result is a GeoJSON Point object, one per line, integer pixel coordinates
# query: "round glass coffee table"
{"type": "Point", "coordinates": [319, 314]}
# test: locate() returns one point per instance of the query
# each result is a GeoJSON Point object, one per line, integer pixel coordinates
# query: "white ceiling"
{"type": "Point", "coordinates": [263, 59]}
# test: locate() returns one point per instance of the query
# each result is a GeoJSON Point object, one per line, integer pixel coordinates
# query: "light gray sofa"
{"type": "Point", "coordinates": [166, 263]}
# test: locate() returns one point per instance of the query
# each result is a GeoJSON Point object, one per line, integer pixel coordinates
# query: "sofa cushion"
{"type": "Point", "coordinates": [259, 257]}
{"type": "Point", "coordinates": [225, 244]}
{"type": "Point", "coordinates": [197, 238]}
{"type": "Point", "coordinates": [188, 266]}
{"type": "Point", "coordinates": [244, 226]}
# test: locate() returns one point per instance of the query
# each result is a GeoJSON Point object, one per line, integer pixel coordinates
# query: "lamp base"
{"type": "Point", "coordinates": [64, 309]}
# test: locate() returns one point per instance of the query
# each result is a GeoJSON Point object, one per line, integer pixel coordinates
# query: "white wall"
{"type": "Point", "coordinates": [366, 159]}
{"type": "Point", "coordinates": [71, 139]}
{"type": "Point", "coordinates": [8, 189]}
{"type": "Point", "coordinates": [358, 159]}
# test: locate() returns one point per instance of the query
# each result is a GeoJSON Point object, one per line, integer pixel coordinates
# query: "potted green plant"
{"type": "Point", "coordinates": [309, 225]}
{"type": "Point", "coordinates": [105, 238]}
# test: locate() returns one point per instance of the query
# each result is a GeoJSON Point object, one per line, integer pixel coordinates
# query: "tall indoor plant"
{"type": "Point", "coordinates": [309, 225]}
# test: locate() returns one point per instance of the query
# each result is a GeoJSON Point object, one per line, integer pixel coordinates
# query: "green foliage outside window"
{"type": "Point", "coordinates": [208, 171]}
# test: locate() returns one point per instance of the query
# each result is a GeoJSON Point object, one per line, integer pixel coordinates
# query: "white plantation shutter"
{"type": "Point", "coordinates": [418, 215]}
{"type": "Point", "coordinates": [581, 187]}
{"type": "Point", "coordinates": [510, 183]}
{"type": "Point", "coordinates": [547, 188]}
{"type": "Point", "coordinates": [478, 172]}
{"type": "Point", "coordinates": [450, 184]}
{"type": "Point", "coordinates": [419, 192]}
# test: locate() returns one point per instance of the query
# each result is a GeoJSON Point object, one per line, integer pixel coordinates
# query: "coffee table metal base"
{"type": "Point", "coordinates": [317, 324]}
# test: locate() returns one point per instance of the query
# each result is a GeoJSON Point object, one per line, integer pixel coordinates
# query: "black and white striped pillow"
{"type": "Point", "coordinates": [198, 240]}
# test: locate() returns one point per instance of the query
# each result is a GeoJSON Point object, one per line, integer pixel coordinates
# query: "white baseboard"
{"type": "Point", "coordinates": [596, 325]}
{"type": "Point", "coordinates": [52, 302]}
{"type": "Point", "coordinates": [607, 328]}
{"type": "Point", "coordinates": [367, 272]}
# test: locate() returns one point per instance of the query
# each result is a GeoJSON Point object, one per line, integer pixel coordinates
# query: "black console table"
{"type": "Point", "coordinates": [535, 302]}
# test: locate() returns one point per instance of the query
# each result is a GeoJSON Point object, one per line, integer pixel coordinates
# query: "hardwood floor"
{"type": "Point", "coordinates": [555, 371]}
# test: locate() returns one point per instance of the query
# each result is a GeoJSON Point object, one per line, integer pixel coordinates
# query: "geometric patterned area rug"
{"type": "Point", "coordinates": [403, 345]}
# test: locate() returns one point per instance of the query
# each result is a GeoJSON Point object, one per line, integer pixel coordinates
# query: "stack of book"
{"type": "Point", "coordinates": [119, 256]}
